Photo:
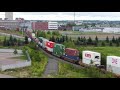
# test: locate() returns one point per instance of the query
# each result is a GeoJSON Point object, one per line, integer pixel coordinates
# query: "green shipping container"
{"type": "Point", "coordinates": [40, 39]}
{"type": "Point", "coordinates": [59, 50]}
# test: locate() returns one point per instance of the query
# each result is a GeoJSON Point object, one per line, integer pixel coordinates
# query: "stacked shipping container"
{"type": "Point", "coordinates": [40, 39]}
{"type": "Point", "coordinates": [72, 54]}
{"type": "Point", "coordinates": [50, 46]}
{"type": "Point", "coordinates": [90, 57]}
{"type": "Point", "coordinates": [113, 64]}
{"type": "Point", "coordinates": [44, 43]}
{"type": "Point", "coordinates": [58, 50]}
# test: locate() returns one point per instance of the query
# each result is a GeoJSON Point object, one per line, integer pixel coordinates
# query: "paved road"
{"type": "Point", "coordinates": [5, 76]}
{"type": "Point", "coordinates": [12, 35]}
{"type": "Point", "coordinates": [10, 51]}
{"type": "Point", "coordinates": [52, 67]}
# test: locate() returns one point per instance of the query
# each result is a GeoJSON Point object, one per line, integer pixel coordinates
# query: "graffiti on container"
{"type": "Point", "coordinates": [114, 61]}
{"type": "Point", "coordinates": [88, 55]}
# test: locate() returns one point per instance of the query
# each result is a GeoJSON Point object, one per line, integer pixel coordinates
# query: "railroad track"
{"type": "Point", "coordinates": [58, 59]}
{"type": "Point", "coordinates": [75, 65]}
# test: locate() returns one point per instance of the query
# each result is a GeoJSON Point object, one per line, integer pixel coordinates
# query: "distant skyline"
{"type": "Point", "coordinates": [65, 15]}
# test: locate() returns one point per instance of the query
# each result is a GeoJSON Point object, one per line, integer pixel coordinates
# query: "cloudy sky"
{"type": "Point", "coordinates": [65, 15]}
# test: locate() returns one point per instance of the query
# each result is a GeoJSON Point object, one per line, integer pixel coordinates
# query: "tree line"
{"type": "Point", "coordinates": [12, 41]}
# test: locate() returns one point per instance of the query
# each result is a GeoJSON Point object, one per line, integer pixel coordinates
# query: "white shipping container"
{"type": "Point", "coordinates": [33, 34]}
{"type": "Point", "coordinates": [50, 49]}
{"type": "Point", "coordinates": [113, 64]}
{"type": "Point", "coordinates": [29, 40]}
{"type": "Point", "coordinates": [44, 42]}
{"type": "Point", "coordinates": [90, 57]}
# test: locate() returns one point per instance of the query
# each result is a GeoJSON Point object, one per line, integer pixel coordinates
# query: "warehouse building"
{"type": "Point", "coordinates": [39, 25]}
{"type": "Point", "coordinates": [53, 25]}
{"type": "Point", "coordinates": [8, 15]}
{"type": "Point", "coordinates": [10, 24]}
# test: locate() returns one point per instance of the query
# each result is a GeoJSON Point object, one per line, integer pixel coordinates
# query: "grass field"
{"type": "Point", "coordinates": [100, 35]}
{"type": "Point", "coordinates": [19, 33]}
{"type": "Point", "coordinates": [69, 71]}
{"type": "Point", "coordinates": [105, 50]}
{"type": "Point", "coordinates": [34, 71]}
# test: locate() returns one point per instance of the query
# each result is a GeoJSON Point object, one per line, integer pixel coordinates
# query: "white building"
{"type": "Point", "coordinates": [10, 24]}
{"type": "Point", "coordinates": [9, 15]}
{"type": "Point", "coordinates": [111, 30]}
{"type": "Point", "coordinates": [53, 25]}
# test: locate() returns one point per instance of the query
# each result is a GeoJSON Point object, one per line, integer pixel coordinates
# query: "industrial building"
{"type": "Point", "coordinates": [9, 24]}
{"type": "Point", "coordinates": [8, 15]}
{"type": "Point", "coordinates": [53, 25]}
{"type": "Point", "coordinates": [39, 25]}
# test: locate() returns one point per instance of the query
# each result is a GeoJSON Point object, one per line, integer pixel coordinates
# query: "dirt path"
{"type": "Point", "coordinates": [51, 68]}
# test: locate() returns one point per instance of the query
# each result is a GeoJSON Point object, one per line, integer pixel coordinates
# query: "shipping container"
{"type": "Point", "coordinates": [33, 34]}
{"type": "Point", "coordinates": [40, 39]}
{"type": "Point", "coordinates": [49, 46]}
{"type": "Point", "coordinates": [113, 64]}
{"type": "Point", "coordinates": [90, 57]}
{"type": "Point", "coordinates": [71, 58]}
{"type": "Point", "coordinates": [44, 42]}
{"type": "Point", "coordinates": [72, 52]}
{"type": "Point", "coordinates": [29, 39]}
{"type": "Point", "coordinates": [58, 50]}
{"type": "Point", "coordinates": [37, 41]}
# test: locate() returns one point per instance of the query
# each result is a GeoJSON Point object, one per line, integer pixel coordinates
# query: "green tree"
{"type": "Point", "coordinates": [78, 38]}
{"type": "Point", "coordinates": [26, 40]}
{"type": "Point", "coordinates": [8, 43]}
{"type": "Point", "coordinates": [111, 43]}
{"type": "Point", "coordinates": [44, 34]}
{"type": "Point", "coordinates": [118, 39]}
{"type": "Point", "coordinates": [107, 39]}
{"type": "Point", "coordinates": [113, 39]}
{"type": "Point", "coordinates": [50, 39]}
{"type": "Point", "coordinates": [15, 41]}
{"type": "Point", "coordinates": [85, 25]}
{"type": "Point", "coordinates": [84, 39]}
{"type": "Point", "coordinates": [63, 38]}
{"type": "Point", "coordinates": [96, 44]}
{"type": "Point", "coordinates": [5, 41]}
{"type": "Point", "coordinates": [70, 39]}
{"type": "Point", "coordinates": [53, 38]}
{"type": "Point", "coordinates": [66, 38]}
{"type": "Point", "coordinates": [117, 44]}
{"type": "Point", "coordinates": [11, 42]}
{"type": "Point", "coordinates": [96, 39]}
{"type": "Point", "coordinates": [48, 32]}
{"type": "Point", "coordinates": [11, 38]}
{"type": "Point", "coordinates": [93, 25]}
{"type": "Point", "coordinates": [89, 40]}
{"type": "Point", "coordinates": [56, 40]}
{"type": "Point", "coordinates": [19, 42]}
{"type": "Point", "coordinates": [69, 44]}
{"type": "Point", "coordinates": [103, 43]}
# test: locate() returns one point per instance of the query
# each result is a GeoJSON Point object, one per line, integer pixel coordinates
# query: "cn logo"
{"type": "Point", "coordinates": [87, 55]}
{"type": "Point", "coordinates": [114, 60]}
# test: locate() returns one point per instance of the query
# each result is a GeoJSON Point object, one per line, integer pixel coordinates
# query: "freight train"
{"type": "Point", "coordinates": [72, 55]}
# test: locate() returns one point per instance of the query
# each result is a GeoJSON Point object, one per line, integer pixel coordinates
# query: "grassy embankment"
{"type": "Point", "coordinates": [39, 62]}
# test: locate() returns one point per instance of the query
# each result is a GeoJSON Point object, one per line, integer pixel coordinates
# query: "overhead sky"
{"type": "Point", "coordinates": [65, 15]}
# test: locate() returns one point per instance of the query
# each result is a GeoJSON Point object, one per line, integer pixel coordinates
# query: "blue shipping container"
{"type": "Point", "coordinates": [76, 58]}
